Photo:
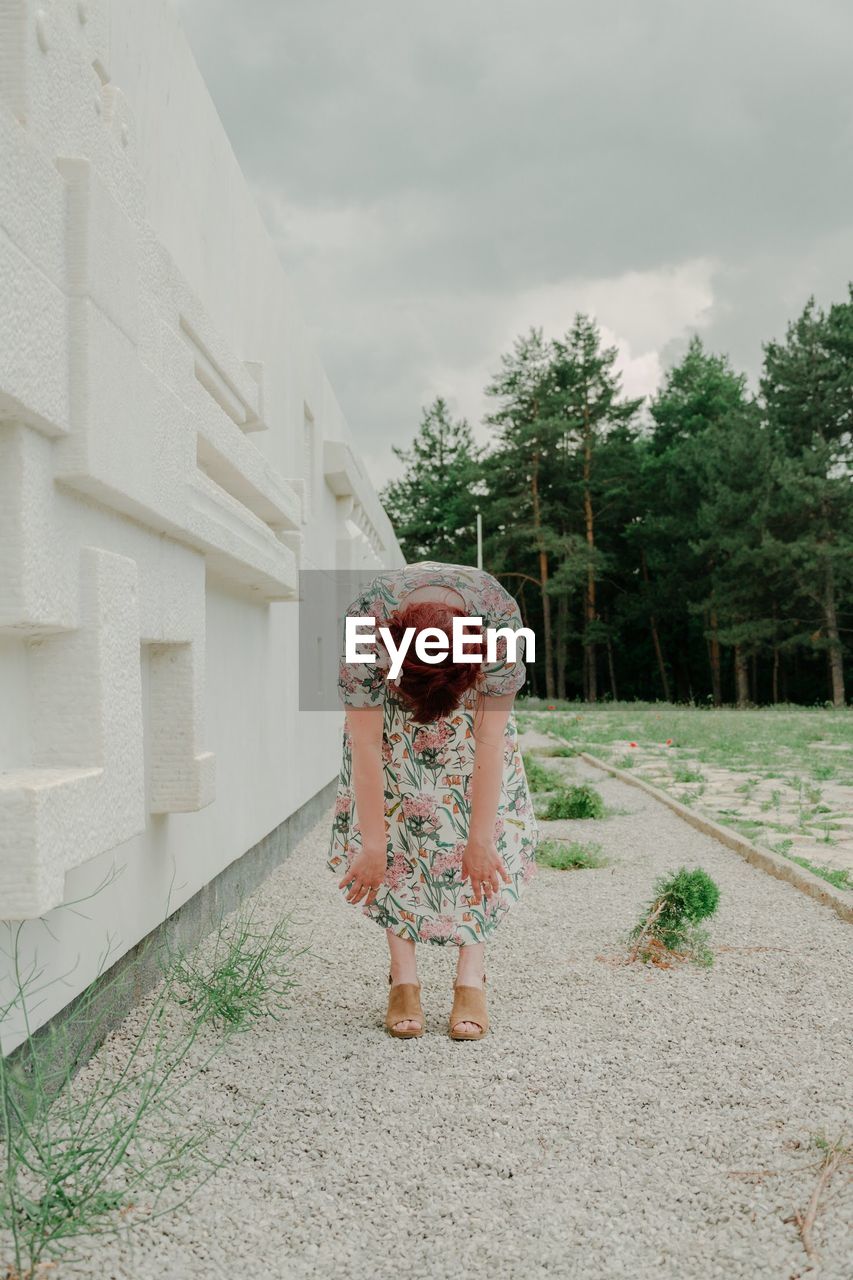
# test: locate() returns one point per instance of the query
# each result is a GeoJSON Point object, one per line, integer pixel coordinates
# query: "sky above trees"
{"type": "Point", "coordinates": [438, 177]}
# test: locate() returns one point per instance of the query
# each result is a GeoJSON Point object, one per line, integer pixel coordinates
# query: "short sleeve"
{"type": "Point", "coordinates": [362, 684]}
{"type": "Point", "coordinates": [500, 610]}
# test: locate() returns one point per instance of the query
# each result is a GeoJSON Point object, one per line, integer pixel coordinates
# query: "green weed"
{"type": "Point", "coordinates": [574, 802]}
{"type": "Point", "coordinates": [89, 1150]}
{"type": "Point", "coordinates": [683, 773]}
{"type": "Point", "coordinates": [570, 857]}
{"type": "Point", "coordinates": [838, 876]}
{"type": "Point", "coordinates": [538, 777]}
{"type": "Point", "coordinates": [245, 975]}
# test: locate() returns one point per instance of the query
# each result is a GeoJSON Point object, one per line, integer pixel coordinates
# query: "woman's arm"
{"type": "Point", "coordinates": [367, 869]}
{"type": "Point", "coordinates": [490, 724]}
{"type": "Point", "coordinates": [365, 730]}
{"type": "Point", "coordinates": [482, 862]}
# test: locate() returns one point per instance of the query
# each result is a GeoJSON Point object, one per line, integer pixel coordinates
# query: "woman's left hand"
{"type": "Point", "coordinates": [484, 867]}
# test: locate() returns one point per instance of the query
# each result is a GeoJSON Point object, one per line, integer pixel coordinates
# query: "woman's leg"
{"type": "Point", "coordinates": [470, 967]}
{"type": "Point", "coordinates": [404, 968]}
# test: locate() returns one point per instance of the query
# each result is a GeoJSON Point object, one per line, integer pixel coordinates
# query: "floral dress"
{"type": "Point", "coordinates": [427, 774]}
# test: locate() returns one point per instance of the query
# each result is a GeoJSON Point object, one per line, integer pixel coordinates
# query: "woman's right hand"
{"type": "Point", "coordinates": [483, 866]}
{"type": "Point", "coordinates": [365, 874]}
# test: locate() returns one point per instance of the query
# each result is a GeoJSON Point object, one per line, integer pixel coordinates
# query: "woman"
{"type": "Point", "coordinates": [433, 816]}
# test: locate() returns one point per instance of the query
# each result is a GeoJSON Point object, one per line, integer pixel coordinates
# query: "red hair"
{"type": "Point", "coordinates": [431, 689]}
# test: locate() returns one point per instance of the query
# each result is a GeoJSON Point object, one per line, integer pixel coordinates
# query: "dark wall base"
{"type": "Point", "coordinates": [73, 1034]}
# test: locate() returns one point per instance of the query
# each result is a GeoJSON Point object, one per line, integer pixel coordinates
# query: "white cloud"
{"type": "Point", "coordinates": [438, 178]}
{"type": "Point", "coordinates": [638, 312]}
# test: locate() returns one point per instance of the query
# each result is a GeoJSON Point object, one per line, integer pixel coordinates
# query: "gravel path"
{"type": "Point", "coordinates": [614, 1123]}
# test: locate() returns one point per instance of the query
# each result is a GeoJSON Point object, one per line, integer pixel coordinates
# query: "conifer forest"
{"type": "Point", "coordinates": [696, 546]}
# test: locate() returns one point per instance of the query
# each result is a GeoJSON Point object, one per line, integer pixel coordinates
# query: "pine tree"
{"type": "Point", "coordinates": [433, 505]}
{"type": "Point", "coordinates": [739, 589]}
{"type": "Point", "coordinates": [585, 408]}
{"type": "Point", "coordinates": [700, 395]}
{"type": "Point", "coordinates": [518, 473]}
{"type": "Point", "coordinates": [807, 385]}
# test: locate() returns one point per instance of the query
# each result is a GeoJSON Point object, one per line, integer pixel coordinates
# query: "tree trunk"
{"type": "Point", "coordinates": [562, 644]}
{"type": "Point", "coordinates": [589, 524]}
{"type": "Point", "coordinates": [714, 653]}
{"type": "Point", "coordinates": [612, 670]}
{"type": "Point", "coordinates": [683, 687]}
{"type": "Point", "coordinates": [653, 627]}
{"type": "Point", "coordinates": [774, 680]}
{"type": "Point", "coordinates": [741, 677]}
{"type": "Point", "coordinates": [834, 654]}
{"type": "Point", "coordinates": [775, 694]}
{"type": "Point", "coordinates": [543, 582]}
{"type": "Point", "coordinates": [753, 677]}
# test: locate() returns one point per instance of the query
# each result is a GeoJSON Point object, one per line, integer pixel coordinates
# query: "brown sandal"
{"type": "Point", "coordinates": [404, 1004]}
{"type": "Point", "coordinates": [469, 1005]}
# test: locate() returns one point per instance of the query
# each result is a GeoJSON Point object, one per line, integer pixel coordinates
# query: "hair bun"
{"type": "Point", "coordinates": [430, 689]}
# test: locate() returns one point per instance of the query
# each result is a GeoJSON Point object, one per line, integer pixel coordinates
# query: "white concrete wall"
{"type": "Point", "coordinates": [171, 453]}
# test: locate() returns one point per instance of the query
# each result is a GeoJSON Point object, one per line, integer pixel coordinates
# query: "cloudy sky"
{"type": "Point", "coordinates": [440, 176]}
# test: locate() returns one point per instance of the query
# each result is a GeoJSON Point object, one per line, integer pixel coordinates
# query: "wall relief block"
{"type": "Point", "coordinates": [82, 790]}
{"type": "Point", "coordinates": [233, 389]}
{"type": "Point", "coordinates": [33, 302]}
{"type": "Point", "coordinates": [181, 779]}
{"type": "Point", "coordinates": [38, 568]}
{"type": "Point", "coordinates": [15, 31]}
{"type": "Point", "coordinates": [139, 410]}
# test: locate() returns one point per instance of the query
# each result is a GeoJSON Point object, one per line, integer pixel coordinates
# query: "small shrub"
{"type": "Point", "coordinates": [669, 929]}
{"type": "Point", "coordinates": [574, 802]}
{"type": "Point", "coordinates": [570, 857]}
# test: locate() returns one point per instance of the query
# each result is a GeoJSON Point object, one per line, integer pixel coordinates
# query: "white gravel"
{"type": "Point", "coordinates": [616, 1122]}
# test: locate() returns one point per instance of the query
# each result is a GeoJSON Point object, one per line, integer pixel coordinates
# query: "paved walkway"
{"type": "Point", "coordinates": [780, 805]}
{"type": "Point", "coordinates": [615, 1122]}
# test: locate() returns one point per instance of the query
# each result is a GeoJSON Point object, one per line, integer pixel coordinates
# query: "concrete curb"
{"type": "Point", "coordinates": [773, 863]}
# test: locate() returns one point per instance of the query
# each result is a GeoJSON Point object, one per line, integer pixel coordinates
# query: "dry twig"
{"type": "Point", "coordinates": [834, 1158]}
{"type": "Point", "coordinates": [644, 933]}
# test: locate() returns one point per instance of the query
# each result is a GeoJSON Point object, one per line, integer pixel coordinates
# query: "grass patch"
{"type": "Point", "coordinates": [581, 801]}
{"type": "Point", "coordinates": [765, 740]}
{"type": "Point", "coordinates": [837, 876]}
{"type": "Point", "coordinates": [572, 856]}
{"type": "Point", "coordinates": [683, 773]}
{"type": "Point", "coordinates": [538, 777]}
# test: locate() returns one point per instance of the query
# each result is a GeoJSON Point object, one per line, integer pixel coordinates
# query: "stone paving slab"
{"type": "Point", "coordinates": [784, 802]}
